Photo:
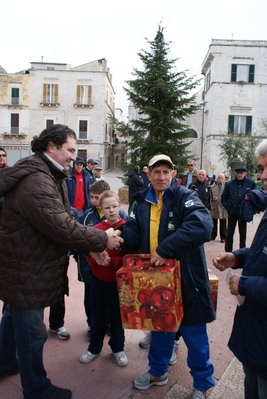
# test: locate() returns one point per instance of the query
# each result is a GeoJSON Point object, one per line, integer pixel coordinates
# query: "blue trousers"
{"type": "Point", "coordinates": [255, 386]}
{"type": "Point", "coordinates": [196, 340]}
{"type": "Point", "coordinates": [104, 296]}
{"type": "Point", "coordinates": [23, 331]}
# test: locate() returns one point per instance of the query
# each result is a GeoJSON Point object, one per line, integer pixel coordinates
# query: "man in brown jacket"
{"type": "Point", "coordinates": [38, 227]}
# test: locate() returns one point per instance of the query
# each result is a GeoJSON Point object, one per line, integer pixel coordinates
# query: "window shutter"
{"type": "Point", "coordinates": [44, 92]}
{"type": "Point", "coordinates": [248, 125]}
{"type": "Point", "coordinates": [231, 121]}
{"type": "Point", "coordinates": [56, 93]}
{"type": "Point", "coordinates": [78, 96]}
{"type": "Point", "coordinates": [233, 73]}
{"type": "Point", "coordinates": [89, 94]}
{"type": "Point", "coordinates": [251, 74]}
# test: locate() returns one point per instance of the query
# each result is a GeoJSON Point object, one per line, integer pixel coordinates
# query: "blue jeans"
{"type": "Point", "coordinates": [255, 386]}
{"type": "Point", "coordinates": [23, 331]}
{"type": "Point", "coordinates": [196, 340]}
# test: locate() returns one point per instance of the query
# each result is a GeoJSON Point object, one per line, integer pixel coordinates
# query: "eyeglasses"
{"type": "Point", "coordinates": [190, 165]}
{"type": "Point", "coordinates": [2, 155]}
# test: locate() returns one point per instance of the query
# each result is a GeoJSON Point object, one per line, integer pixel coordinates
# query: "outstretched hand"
{"type": "Point", "coordinates": [114, 239]}
{"type": "Point", "coordinates": [224, 261]}
{"type": "Point", "coordinates": [101, 258]}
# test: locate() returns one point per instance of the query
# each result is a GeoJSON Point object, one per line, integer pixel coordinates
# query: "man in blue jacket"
{"type": "Point", "coordinates": [248, 339]}
{"type": "Point", "coordinates": [232, 197]}
{"type": "Point", "coordinates": [170, 222]}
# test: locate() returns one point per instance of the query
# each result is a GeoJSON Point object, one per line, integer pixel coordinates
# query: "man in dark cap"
{"type": "Point", "coordinates": [233, 195]}
{"type": "Point", "coordinates": [90, 165]}
{"type": "Point", "coordinates": [78, 186]}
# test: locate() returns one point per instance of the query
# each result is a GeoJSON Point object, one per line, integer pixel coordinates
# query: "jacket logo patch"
{"type": "Point", "coordinates": [265, 250]}
{"type": "Point", "coordinates": [189, 203]}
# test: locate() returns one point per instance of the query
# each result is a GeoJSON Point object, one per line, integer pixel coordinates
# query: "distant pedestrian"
{"type": "Point", "coordinates": [217, 211]}
{"type": "Point", "coordinates": [135, 183]}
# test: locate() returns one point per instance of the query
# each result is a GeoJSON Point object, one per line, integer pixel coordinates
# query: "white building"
{"type": "Point", "coordinates": [235, 95]}
{"type": "Point", "coordinates": [47, 93]}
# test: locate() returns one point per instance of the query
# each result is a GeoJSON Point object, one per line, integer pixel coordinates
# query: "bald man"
{"type": "Point", "coordinates": [202, 188]}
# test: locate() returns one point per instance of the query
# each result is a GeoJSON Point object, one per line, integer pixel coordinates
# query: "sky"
{"type": "Point", "coordinates": [84, 31]}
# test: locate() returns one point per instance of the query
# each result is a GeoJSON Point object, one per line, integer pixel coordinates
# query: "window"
{"type": "Point", "coordinates": [15, 96]}
{"type": "Point", "coordinates": [242, 73]}
{"type": "Point", "coordinates": [208, 80]}
{"type": "Point", "coordinates": [50, 93]}
{"type": "Point", "coordinates": [84, 94]}
{"type": "Point", "coordinates": [83, 126]}
{"type": "Point", "coordinates": [14, 123]}
{"type": "Point", "coordinates": [49, 122]}
{"type": "Point", "coordinates": [240, 124]}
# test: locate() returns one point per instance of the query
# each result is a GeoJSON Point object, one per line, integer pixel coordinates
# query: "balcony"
{"type": "Point", "coordinates": [80, 105]}
{"type": "Point", "coordinates": [44, 104]}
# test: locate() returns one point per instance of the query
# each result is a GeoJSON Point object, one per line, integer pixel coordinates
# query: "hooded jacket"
{"type": "Point", "coordinates": [38, 227]}
{"type": "Point", "coordinates": [185, 224]}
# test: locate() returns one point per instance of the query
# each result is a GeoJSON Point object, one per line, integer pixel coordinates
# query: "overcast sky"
{"type": "Point", "coordinates": [82, 31]}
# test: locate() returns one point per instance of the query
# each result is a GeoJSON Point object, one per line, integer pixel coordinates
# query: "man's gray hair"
{"type": "Point", "coordinates": [261, 149]}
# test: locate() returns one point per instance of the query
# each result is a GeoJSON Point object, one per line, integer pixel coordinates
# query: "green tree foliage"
{"type": "Point", "coordinates": [163, 100]}
{"type": "Point", "coordinates": [238, 150]}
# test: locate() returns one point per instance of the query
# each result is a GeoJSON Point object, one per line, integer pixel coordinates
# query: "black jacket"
{"type": "Point", "coordinates": [135, 183]}
{"type": "Point", "coordinates": [234, 192]}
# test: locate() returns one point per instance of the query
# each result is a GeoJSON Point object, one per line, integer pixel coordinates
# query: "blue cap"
{"type": "Point", "coordinates": [79, 160]}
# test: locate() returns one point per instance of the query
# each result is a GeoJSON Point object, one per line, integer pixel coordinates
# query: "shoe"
{"type": "Point", "coordinates": [60, 393]}
{"type": "Point", "coordinates": [121, 358]}
{"type": "Point", "coordinates": [145, 342]}
{"type": "Point", "coordinates": [198, 395]}
{"type": "Point", "coordinates": [61, 332]}
{"type": "Point", "coordinates": [146, 380]}
{"type": "Point", "coordinates": [173, 358]}
{"type": "Point", "coordinates": [87, 357]}
{"type": "Point", "coordinates": [89, 335]}
{"type": "Point", "coordinates": [13, 371]}
{"type": "Point", "coordinates": [223, 241]}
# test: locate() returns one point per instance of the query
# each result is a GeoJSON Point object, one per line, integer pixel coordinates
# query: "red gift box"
{"type": "Point", "coordinates": [150, 297]}
{"type": "Point", "coordinates": [214, 284]}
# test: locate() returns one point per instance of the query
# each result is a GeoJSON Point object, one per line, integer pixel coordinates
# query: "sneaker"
{"type": "Point", "coordinates": [198, 395]}
{"type": "Point", "coordinates": [61, 332]}
{"type": "Point", "coordinates": [121, 358]}
{"type": "Point", "coordinates": [60, 393]}
{"type": "Point", "coordinates": [13, 371]}
{"type": "Point", "coordinates": [87, 357]}
{"type": "Point", "coordinates": [146, 380]}
{"type": "Point", "coordinates": [145, 342]}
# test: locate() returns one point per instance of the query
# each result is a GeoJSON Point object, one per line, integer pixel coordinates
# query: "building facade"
{"type": "Point", "coordinates": [48, 93]}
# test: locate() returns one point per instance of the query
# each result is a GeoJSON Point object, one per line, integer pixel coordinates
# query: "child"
{"type": "Point", "coordinates": [104, 291]}
{"type": "Point", "coordinates": [90, 217]}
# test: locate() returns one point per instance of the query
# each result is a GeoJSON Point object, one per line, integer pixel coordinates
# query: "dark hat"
{"type": "Point", "coordinates": [79, 160]}
{"type": "Point", "coordinates": [98, 168]}
{"type": "Point", "coordinates": [240, 169]}
{"type": "Point", "coordinates": [92, 161]}
{"type": "Point", "coordinates": [160, 158]}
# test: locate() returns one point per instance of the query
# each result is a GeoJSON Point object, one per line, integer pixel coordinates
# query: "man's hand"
{"type": "Point", "coordinates": [233, 284]}
{"type": "Point", "coordinates": [114, 239]}
{"type": "Point", "coordinates": [157, 260]}
{"type": "Point", "coordinates": [101, 258]}
{"type": "Point", "coordinates": [224, 261]}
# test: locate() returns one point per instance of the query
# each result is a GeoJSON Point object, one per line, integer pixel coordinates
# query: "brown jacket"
{"type": "Point", "coordinates": [38, 228]}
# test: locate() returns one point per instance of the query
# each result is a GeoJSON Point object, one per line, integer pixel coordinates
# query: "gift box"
{"type": "Point", "coordinates": [150, 297]}
{"type": "Point", "coordinates": [214, 283]}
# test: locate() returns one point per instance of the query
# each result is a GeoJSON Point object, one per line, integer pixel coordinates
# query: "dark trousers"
{"type": "Point", "coordinates": [242, 227]}
{"type": "Point", "coordinates": [87, 304]}
{"type": "Point", "coordinates": [104, 295]}
{"type": "Point", "coordinates": [255, 386]}
{"type": "Point", "coordinates": [56, 315]}
{"type": "Point", "coordinates": [222, 229]}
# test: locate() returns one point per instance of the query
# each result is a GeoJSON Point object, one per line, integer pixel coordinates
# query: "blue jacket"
{"type": "Point", "coordinates": [71, 184]}
{"type": "Point", "coordinates": [234, 192]}
{"type": "Point", "coordinates": [257, 203]}
{"type": "Point", "coordinates": [185, 224]}
{"type": "Point", "coordinates": [248, 340]}
{"type": "Point", "coordinates": [90, 218]}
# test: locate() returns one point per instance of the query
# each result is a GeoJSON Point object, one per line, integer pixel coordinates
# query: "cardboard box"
{"type": "Point", "coordinates": [150, 297]}
{"type": "Point", "coordinates": [214, 284]}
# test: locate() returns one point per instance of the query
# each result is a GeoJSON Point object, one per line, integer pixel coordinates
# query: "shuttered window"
{"type": "Point", "coordinates": [242, 73]}
{"type": "Point", "coordinates": [14, 123]}
{"type": "Point", "coordinates": [50, 93]}
{"type": "Point", "coordinates": [84, 94]}
{"type": "Point", "coordinates": [240, 124]}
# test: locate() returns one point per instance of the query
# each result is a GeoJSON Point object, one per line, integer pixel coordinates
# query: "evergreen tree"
{"type": "Point", "coordinates": [163, 100]}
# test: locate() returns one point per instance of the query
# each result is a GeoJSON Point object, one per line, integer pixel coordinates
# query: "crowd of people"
{"type": "Point", "coordinates": [61, 206]}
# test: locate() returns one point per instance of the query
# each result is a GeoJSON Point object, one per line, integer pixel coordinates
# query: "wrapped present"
{"type": "Point", "coordinates": [150, 297]}
{"type": "Point", "coordinates": [214, 283]}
